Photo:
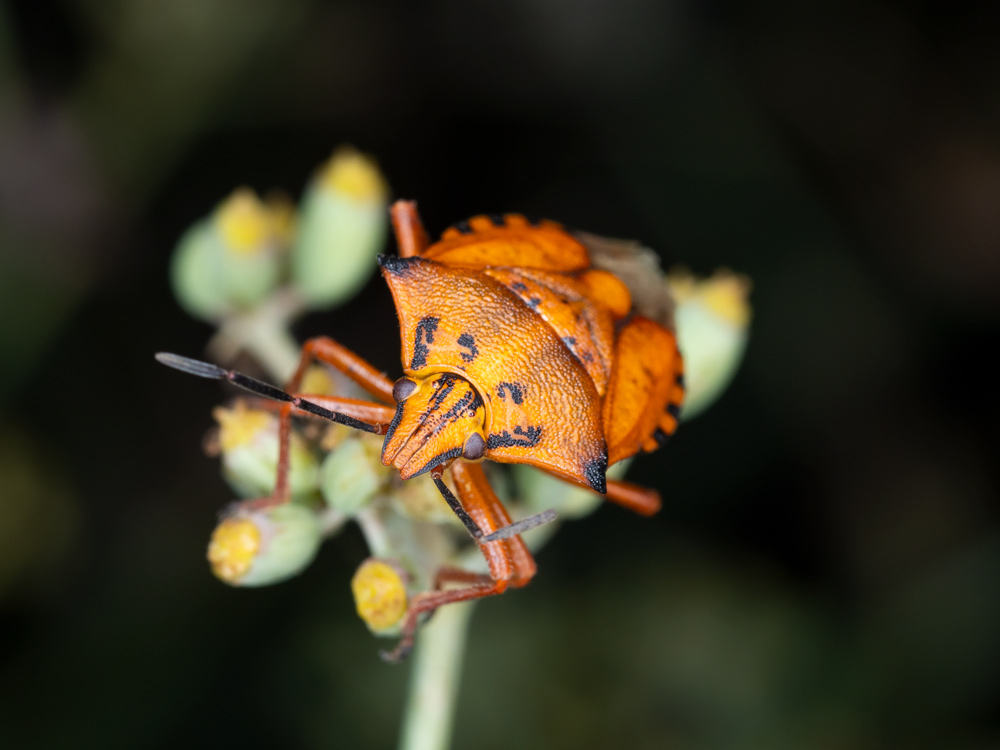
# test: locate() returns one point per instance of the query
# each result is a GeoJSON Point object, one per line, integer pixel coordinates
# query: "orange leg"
{"type": "Point", "coordinates": [641, 500]}
{"type": "Point", "coordinates": [357, 369]}
{"type": "Point", "coordinates": [509, 560]}
{"type": "Point", "coordinates": [411, 237]}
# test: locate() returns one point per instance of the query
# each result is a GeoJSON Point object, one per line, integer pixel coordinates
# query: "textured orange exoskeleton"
{"type": "Point", "coordinates": [517, 347]}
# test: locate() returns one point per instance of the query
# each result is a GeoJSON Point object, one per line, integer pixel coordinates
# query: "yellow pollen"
{"type": "Point", "coordinates": [379, 594]}
{"type": "Point", "coordinates": [239, 425]}
{"type": "Point", "coordinates": [231, 551]}
{"type": "Point", "coordinates": [724, 293]}
{"type": "Point", "coordinates": [245, 222]}
{"type": "Point", "coordinates": [355, 175]}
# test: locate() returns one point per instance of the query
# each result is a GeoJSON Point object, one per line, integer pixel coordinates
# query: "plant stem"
{"type": "Point", "coordinates": [264, 333]}
{"type": "Point", "coordinates": [437, 667]}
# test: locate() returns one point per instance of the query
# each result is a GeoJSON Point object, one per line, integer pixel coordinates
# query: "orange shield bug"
{"type": "Point", "coordinates": [519, 345]}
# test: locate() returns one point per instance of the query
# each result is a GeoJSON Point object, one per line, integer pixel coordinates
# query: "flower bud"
{"type": "Point", "coordinates": [317, 380]}
{"type": "Point", "coordinates": [232, 260]}
{"type": "Point", "coordinates": [712, 318]}
{"type": "Point", "coordinates": [248, 439]}
{"type": "Point", "coordinates": [419, 499]}
{"type": "Point", "coordinates": [540, 491]}
{"type": "Point", "coordinates": [352, 474]}
{"type": "Point", "coordinates": [379, 588]}
{"type": "Point", "coordinates": [342, 228]}
{"type": "Point", "coordinates": [258, 548]}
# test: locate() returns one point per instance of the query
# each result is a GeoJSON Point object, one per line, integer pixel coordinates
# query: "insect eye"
{"type": "Point", "coordinates": [475, 447]}
{"type": "Point", "coordinates": [403, 389]}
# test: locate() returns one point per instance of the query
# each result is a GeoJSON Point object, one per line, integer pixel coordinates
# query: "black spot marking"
{"type": "Point", "coordinates": [515, 390]}
{"type": "Point", "coordinates": [469, 401]}
{"type": "Point", "coordinates": [674, 410]}
{"type": "Point", "coordinates": [396, 265]}
{"type": "Point", "coordinates": [570, 341]}
{"type": "Point", "coordinates": [587, 357]}
{"type": "Point", "coordinates": [594, 473]}
{"type": "Point", "coordinates": [467, 341]}
{"type": "Point", "coordinates": [463, 227]}
{"type": "Point", "coordinates": [517, 286]}
{"type": "Point", "coordinates": [679, 379]}
{"type": "Point", "coordinates": [499, 219]}
{"type": "Point", "coordinates": [660, 437]}
{"type": "Point", "coordinates": [534, 302]}
{"type": "Point", "coordinates": [423, 336]}
{"type": "Point", "coordinates": [521, 438]}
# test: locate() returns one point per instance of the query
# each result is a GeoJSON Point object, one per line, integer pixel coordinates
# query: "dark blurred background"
{"type": "Point", "coordinates": [826, 570]}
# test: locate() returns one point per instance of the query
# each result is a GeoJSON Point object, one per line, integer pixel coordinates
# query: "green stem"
{"type": "Point", "coordinates": [264, 333]}
{"type": "Point", "coordinates": [437, 667]}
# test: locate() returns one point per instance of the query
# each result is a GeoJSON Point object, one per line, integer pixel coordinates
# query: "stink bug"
{"type": "Point", "coordinates": [518, 346]}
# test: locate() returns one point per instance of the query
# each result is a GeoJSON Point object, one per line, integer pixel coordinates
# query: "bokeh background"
{"type": "Point", "coordinates": [826, 570]}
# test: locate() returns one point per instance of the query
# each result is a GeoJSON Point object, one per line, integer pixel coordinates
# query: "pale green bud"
{"type": "Point", "coordinates": [342, 228]}
{"type": "Point", "coordinates": [540, 491]}
{"type": "Point", "coordinates": [419, 499]}
{"type": "Point", "coordinates": [352, 474]}
{"type": "Point", "coordinates": [261, 547]}
{"type": "Point", "coordinates": [248, 439]}
{"type": "Point", "coordinates": [712, 318]}
{"type": "Point", "coordinates": [232, 260]}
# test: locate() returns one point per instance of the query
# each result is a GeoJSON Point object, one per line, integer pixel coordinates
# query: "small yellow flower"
{"type": "Point", "coordinates": [342, 225]}
{"type": "Point", "coordinates": [244, 222]}
{"type": "Point", "coordinates": [234, 545]}
{"type": "Point", "coordinates": [379, 594]}
{"type": "Point", "coordinates": [725, 293]}
{"type": "Point", "coordinates": [240, 424]}
{"type": "Point", "coordinates": [355, 175]}
{"type": "Point", "coordinates": [249, 441]}
{"type": "Point", "coordinates": [261, 547]}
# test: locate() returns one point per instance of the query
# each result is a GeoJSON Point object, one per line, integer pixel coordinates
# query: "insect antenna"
{"type": "Point", "coordinates": [504, 532]}
{"type": "Point", "coordinates": [518, 527]}
{"type": "Point", "coordinates": [260, 388]}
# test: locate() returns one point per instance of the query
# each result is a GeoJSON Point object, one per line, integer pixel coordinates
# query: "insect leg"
{"type": "Point", "coordinates": [325, 349]}
{"type": "Point", "coordinates": [509, 560]}
{"type": "Point", "coordinates": [475, 490]}
{"type": "Point", "coordinates": [288, 404]}
{"type": "Point", "coordinates": [641, 500]}
{"type": "Point", "coordinates": [411, 237]}
{"type": "Point", "coordinates": [505, 531]}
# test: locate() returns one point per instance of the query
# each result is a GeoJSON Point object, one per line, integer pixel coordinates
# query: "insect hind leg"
{"type": "Point", "coordinates": [509, 560]}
